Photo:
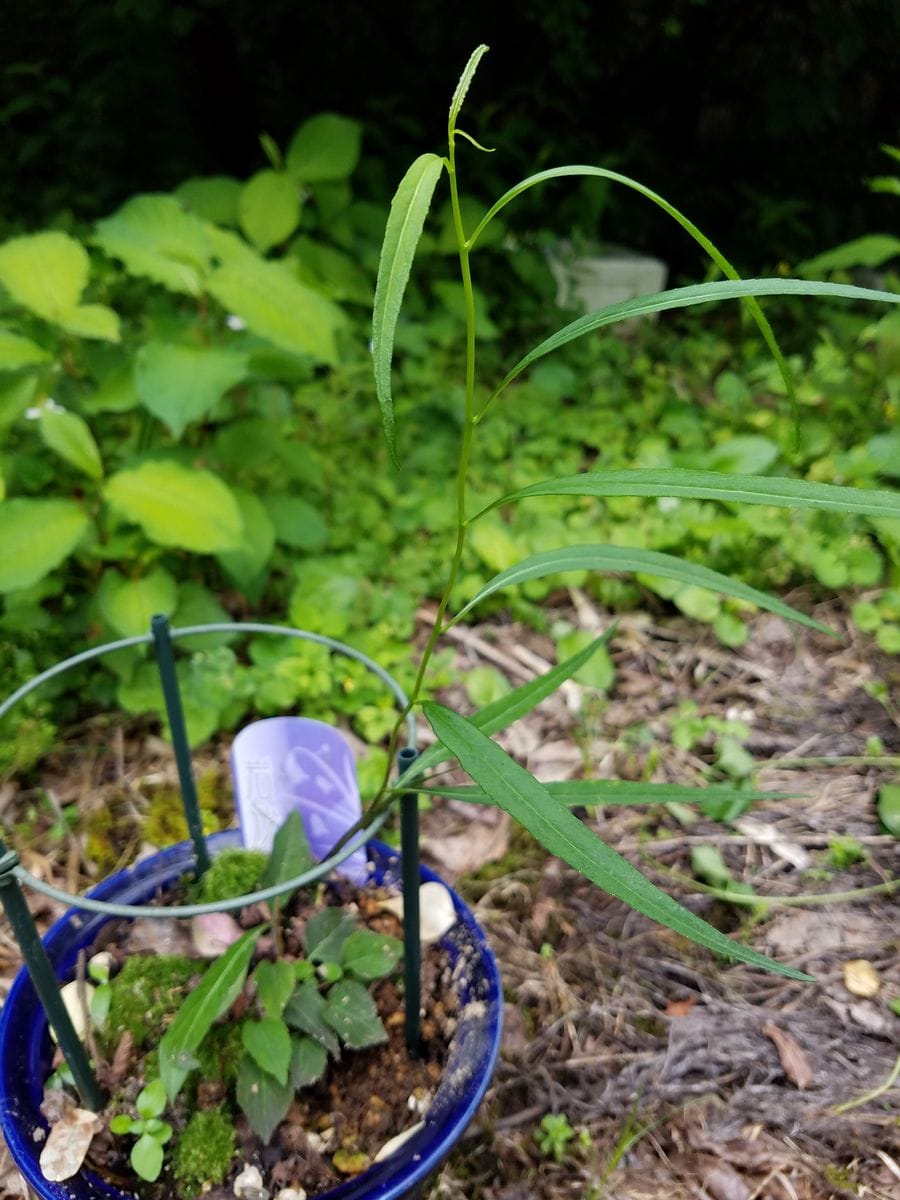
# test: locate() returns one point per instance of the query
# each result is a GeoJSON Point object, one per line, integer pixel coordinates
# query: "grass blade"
{"type": "Point", "coordinates": [518, 793]}
{"type": "Point", "coordinates": [628, 558]}
{"type": "Point", "coordinates": [698, 293]}
{"type": "Point", "coordinates": [515, 704]}
{"type": "Point", "coordinates": [464, 83]}
{"type": "Point", "coordinates": [580, 170]}
{"type": "Point", "coordinates": [714, 485]}
{"type": "Point", "coordinates": [213, 996]}
{"type": "Point", "coordinates": [574, 793]}
{"type": "Point", "coordinates": [401, 236]}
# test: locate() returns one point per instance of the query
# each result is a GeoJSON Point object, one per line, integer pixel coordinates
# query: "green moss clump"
{"type": "Point", "coordinates": [204, 1151]}
{"type": "Point", "coordinates": [109, 830]}
{"type": "Point", "coordinates": [146, 992]}
{"type": "Point", "coordinates": [220, 1052]}
{"type": "Point", "coordinates": [232, 873]}
{"type": "Point", "coordinates": [164, 822]}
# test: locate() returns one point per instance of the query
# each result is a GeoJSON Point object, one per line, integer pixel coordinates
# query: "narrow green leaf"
{"type": "Point", "coordinates": [268, 1042]}
{"type": "Point", "coordinates": [871, 250]}
{"type": "Point", "coordinates": [178, 506]}
{"type": "Point", "coordinates": [263, 1099]}
{"type": "Point", "coordinates": [369, 955]}
{"type": "Point", "coordinates": [687, 225]}
{"type": "Point", "coordinates": [515, 704]}
{"type": "Point", "coordinates": [627, 558]}
{"type": "Point", "coordinates": [275, 983]}
{"type": "Point", "coordinates": [306, 1011]}
{"type": "Point", "coordinates": [699, 293]}
{"type": "Point", "coordinates": [518, 793]}
{"type": "Point", "coordinates": [889, 807]}
{"type": "Point", "coordinates": [213, 996]}
{"type": "Point", "coordinates": [308, 1062]}
{"type": "Point", "coordinates": [465, 81]}
{"type": "Point", "coordinates": [68, 435]}
{"type": "Point", "coordinates": [401, 236]}
{"type": "Point", "coordinates": [351, 1013]}
{"type": "Point", "coordinates": [326, 932]}
{"type": "Point", "coordinates": [290, 855]}
{"type": "Point", "coordinates": [713, 485]}
{"type": "Point", "coordinates": [577, 792]}
{"type": "Point", "coordinates": [35, 537]}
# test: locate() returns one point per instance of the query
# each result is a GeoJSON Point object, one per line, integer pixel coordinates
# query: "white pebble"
{"type": "Point", "coordinates": [396, 1142]}
{"type": "Point", "coordinates": [249, 1183]}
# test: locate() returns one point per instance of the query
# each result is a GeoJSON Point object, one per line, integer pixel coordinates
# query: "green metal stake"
{"type": "Point", "coordinates": [45, 982]}
{"type": "Point", "coordinates": [412, 946]}
{"type": "Point", "coordinates": [165, 660]}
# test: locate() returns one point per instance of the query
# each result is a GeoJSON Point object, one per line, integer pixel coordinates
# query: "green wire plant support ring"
{"type": "Point", "coordinates": [13, 875]}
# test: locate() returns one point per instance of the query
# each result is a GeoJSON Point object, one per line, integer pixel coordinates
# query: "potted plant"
{"type": "Point", "coordinates": [496, 778]}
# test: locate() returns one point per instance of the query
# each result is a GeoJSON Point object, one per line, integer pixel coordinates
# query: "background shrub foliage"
{"type": "Point", "coordinates": [187, 426]}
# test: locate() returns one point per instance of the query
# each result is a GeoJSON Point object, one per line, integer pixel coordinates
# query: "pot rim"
{"type": "Point", "coordinates": [24, 1040]}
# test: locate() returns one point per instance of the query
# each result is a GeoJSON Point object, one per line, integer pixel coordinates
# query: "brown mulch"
{"type": "Point", "coordinates": [681, 1075]}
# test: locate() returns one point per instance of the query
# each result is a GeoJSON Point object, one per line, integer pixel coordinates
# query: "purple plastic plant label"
{"type": "Point", "coordinates": [286, 763]}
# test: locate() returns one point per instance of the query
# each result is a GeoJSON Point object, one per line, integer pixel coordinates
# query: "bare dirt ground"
{"type": "Point", "coordinates": [679, 1075]}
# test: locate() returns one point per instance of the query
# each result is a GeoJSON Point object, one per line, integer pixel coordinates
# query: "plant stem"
{"type": "Point", "coordinates": [384, 796]}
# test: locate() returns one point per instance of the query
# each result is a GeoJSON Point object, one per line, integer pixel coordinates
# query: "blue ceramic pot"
{"type": "Point", "coordinates": [26, 1049]}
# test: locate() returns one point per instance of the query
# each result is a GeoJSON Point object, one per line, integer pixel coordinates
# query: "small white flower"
{"type": "Point", "coordinates": [668, 503]}
{"type": "Point", "coordinates": [236, 323]}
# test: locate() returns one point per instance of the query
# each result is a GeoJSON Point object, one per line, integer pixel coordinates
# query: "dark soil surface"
{"type": "Point", "coordinates": [679, 1075]}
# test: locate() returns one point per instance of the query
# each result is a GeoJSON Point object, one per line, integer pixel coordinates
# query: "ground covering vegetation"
{"type": "Point", "coordinates": [185, 400]}
{"type": "Point", "coordinates": [189, 428]}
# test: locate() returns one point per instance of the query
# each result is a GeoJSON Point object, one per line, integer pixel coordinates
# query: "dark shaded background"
{"type": "Point", "coordinates": [761, 120]}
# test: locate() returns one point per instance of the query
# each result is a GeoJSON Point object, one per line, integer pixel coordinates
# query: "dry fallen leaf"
{"type": "Point", "coordinates": [68, 1143]}
{"type": "Point", "coordinates": [861, 978]}
{"type": "Point", "coordinates": [481, 843]}
{"type": "Point", "coordinates": [720, 1180]}
{"type": "Point", "coordinates": [793, 1059]}
{"type": "Point", "coordinates": [680, 1008]}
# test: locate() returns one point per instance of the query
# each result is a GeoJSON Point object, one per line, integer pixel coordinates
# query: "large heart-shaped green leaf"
{"type": "Point", "coordinates": [179, 384]}
{"type": "Point", "coordinates": [45, 272]}
{"type": "Point", "coordinates": [517, 792]}
{"type": "Point", "coordinates": [155, 238]}
{"type": "Point", "coordinates": [177, 506]}
{"type": "Point", "coordinates": [16, 351]}
{"type": "Point", "coordinates": [275, 305]}
{"type": "Point", "coordinates": [326, 147]}
{"type": "Point", "coordinates": [69, 436]}
{"type": "Point", "coordinates": [35, 537]}
{"type": "Point", "coordinates": [269, 208]}
{"type": "Point", "coordinates": [128, 604]}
